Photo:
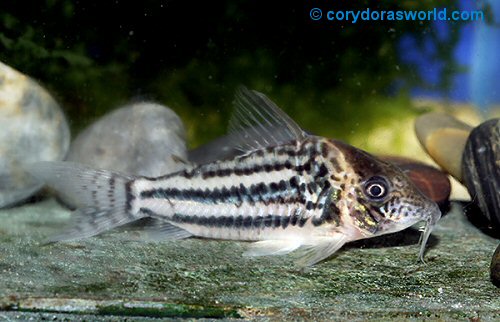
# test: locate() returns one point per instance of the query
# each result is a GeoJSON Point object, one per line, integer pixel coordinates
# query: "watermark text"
{"type": "Point", "coordinates": [355, 16]}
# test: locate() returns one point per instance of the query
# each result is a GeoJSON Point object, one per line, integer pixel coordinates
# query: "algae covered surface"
{"type": "Point", "coordinates": [117, 275]}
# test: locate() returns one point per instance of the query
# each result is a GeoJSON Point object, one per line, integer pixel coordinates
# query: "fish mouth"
{"type": "Point", "coordinates": [434, 214]}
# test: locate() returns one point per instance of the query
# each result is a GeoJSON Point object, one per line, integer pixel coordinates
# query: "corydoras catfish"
{"type": "Point", "coordinates": [288, 191]}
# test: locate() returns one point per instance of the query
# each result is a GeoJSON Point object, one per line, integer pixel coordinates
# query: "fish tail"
{"type": "Point", "coordinates": [101, 197]}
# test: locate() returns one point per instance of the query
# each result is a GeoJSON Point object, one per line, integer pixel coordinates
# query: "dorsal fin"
{"type": "Point", "coordinates": [257, 122]}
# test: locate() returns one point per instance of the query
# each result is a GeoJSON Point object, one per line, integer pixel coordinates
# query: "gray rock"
{"type": "Point", "coordinates": [144, 139]}
{"type": "Point", "coordinates": [32, 128]}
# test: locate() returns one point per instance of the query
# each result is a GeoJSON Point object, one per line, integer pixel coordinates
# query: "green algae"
{"type": "Point", "coordinates": [169, 310]}
{"type": "Point", "coordinates": [117, 308]}
{"type": "Point", "coordinates": [377, 279]}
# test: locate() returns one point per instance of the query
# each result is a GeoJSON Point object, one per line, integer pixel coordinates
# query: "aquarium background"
{"type": "Point", "coordinates": [364, 83]}
{"type": "Point", "coordinates": [336, 79]}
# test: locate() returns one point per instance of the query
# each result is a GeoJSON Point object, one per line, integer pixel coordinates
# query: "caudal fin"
{"type": "Point", "coordinates": [100, 195]}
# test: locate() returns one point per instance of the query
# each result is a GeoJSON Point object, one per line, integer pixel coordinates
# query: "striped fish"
{"type": "Point", "coordinates": [288, 191]}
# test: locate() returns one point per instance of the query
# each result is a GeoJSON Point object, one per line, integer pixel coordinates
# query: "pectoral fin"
{"type": "Point", "coordinates": [272, 248]}
{"type": "Point", "coordinates": [307, 253]}
{"type": "Point", "coordinates": [90, 221]}
{"type": "Point", "coordinates": [319, 249]}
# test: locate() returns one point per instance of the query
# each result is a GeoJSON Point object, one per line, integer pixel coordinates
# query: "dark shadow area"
{"type": "Point", "coordinates": [445, 208]}
{"type": "Point", "coordinates": [36, 198]}
{"type": "Point", "coordinates": [406, 237]}
{"type": "Point", "coordinates": [478, 219]}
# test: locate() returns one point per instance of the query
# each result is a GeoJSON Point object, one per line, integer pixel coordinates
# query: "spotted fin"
{"type": "Point", "coordinates": [257, 122]}
{"type": "Point", "coordinates": [272, 248]}
{"type": "Point", "coordinates": [82, 186]}
{"type": "Point", "coordinates": [319, 250]}
{"type": "Point", "coordinates": [91, 221]}
{"type": "Point", "coordinates": [100, 195]}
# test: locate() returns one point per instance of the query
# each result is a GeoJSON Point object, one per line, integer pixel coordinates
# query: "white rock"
{"type": "Point", "coordinates": [139, 139]}
{"type": "Point", "coordinates": [32, 128]}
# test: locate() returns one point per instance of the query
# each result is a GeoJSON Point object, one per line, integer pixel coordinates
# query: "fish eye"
{"type": "Point", "coordinates": [376, 188]}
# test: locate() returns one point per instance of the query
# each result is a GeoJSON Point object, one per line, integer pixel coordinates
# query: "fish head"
{"type": "Point", "coordinates": [382, 198]}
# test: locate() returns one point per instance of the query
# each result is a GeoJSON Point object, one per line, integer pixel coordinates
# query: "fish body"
{"type": "Point", "coordinates": [288, 191]}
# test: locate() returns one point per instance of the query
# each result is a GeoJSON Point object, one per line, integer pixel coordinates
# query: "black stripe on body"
{"type": "Point", "coordinates": [330, 214]}
{"type": "Point", "coordinates": [129, 196]}
{"type": "Point", "coordinates": [308, 150]}
{"type": "Point", "coordinates": [291, 190]}
{"type": "Point", "coordinates": [281, 192]}
{"type": "Point", "coordinates": [237, 195]}
{"type": "Point", "coordinates": [255, 192]}
{"type": "Point", "coordinates": [235, 222]}
{"type": "Point", "coordinates": [257, 168]}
